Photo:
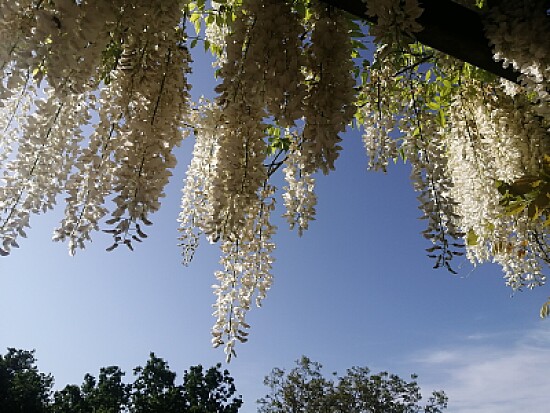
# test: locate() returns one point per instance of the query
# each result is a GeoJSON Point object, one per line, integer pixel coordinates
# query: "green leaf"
{"type": "Point", "coordinates": [300, 9]}
{"type": "Point", "coordinates": [434, 105]}
{"type": "Point", "coordinates": [428, 75]}
{"type": "Point", "coordinates": [515, 208]}
{"type": "Point", "coordinates": [441, 118]}
{"type": "Point", "coordinates": [471, 238]}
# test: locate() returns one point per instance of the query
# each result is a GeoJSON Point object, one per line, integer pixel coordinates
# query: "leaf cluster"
{"type": "Point", "coordinates": [126, 232]}
{"type": "Point", "coordinates": [529, 194]}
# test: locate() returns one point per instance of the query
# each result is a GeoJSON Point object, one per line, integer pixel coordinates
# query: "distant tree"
{"type": "Point", "coordinates": [305, 390]}
{"type": "Point", "coordinates": [106, 395]}
{"type": "Point", "coordinates": [213, 391]}
{"type": "Point", "coordinates": [111, 394]}
{"type": "Point", "coordinates": [23, 389]}
{"type": "Point", "coordinates": [154, 389]}
{"type": "Point", "coordinates": [70, 400]}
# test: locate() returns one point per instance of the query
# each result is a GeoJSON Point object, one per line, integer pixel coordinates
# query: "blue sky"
{"type": "Point", "coordinates": [356, 289]}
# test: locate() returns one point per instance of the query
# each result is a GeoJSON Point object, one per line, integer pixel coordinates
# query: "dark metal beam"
{"type": "Point", "coordinates": [448, 27]}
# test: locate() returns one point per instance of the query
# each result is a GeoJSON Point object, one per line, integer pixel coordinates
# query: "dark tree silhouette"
{"type": "Point", "coordinates": [23, 389]}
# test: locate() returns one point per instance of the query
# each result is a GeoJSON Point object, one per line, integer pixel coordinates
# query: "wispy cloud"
{"type": "Point", "coordinates": [492, 374]}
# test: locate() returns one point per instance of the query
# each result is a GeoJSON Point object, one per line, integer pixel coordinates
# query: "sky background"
{"type": "Point", "coordinates": [356, 289]}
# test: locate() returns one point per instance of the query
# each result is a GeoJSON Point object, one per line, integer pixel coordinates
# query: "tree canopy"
{"type": "Point", "coordinates": [23, 389]}
{"type": "Point", "coordinates": [95, 97]}
{"type": "Point", "coordinates": [305, 389]}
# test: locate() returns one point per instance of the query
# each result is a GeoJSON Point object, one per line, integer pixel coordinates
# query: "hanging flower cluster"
{"type": "Point", "coordinates": [195, 209]}
{"type": "Point", "coordinates": [38, 171]}
{"type": "Point", "coordinates": [464, 141]}
{"type": "Point", "coordinates": [394, 19]}
{"type": "Point", "coordinates": [398, 123]}
{"type": "Point", "coordinates": [94, 100]}
{"type": "Point", "coordinates": [515, 29]}
{"type": "Point", "coordinates": [328, 105]}
{"type": "Point", "coordinates": [112, 67]}
{"type": "Point", "coordinates": [284, 97]}
{"type": "Point", "coordinates": [487, 144]}
{"type": "Point", "coordinates": [246, 275]}
{"type": "Point", "coordinates": [299, 197]}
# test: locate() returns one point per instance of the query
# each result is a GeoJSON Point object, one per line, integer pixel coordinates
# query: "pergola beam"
{"type": "Point", "coordinates": [448, 27]}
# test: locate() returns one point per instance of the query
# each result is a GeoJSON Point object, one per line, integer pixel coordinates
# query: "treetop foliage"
{"type": "Point", "coordinates": [305, 389]}
{"type": "Point", "coordinates": [23, 389]}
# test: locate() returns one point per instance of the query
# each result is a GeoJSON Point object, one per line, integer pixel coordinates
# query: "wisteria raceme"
{"type": "Point", "coordinates": [394, 19]}
{"type": "Point", "coordinates": [18, 99]}
{"type": "Point", "coordinates": [276, 48]}
{"type": "Point", "coordinates": [457, 164]}
{"type": "Point", "coordinates": [299, 196]}
{"type": "Point", "coordinates": [195, 208]}
{"type": "Point", "coordinates": [515, 29]}
{"type": "Point", "coordinates": [16, 26]}
{"type": "Point", "coordinates": [378, 113]}
{"type": "Point", "coordinates": [38, 173]}
{"type": "Point", "coordinates": [328, 107]}
{"type": "Point", "coordinates": [215, 34]}
{"type": "Point", "coordinates": [152, 92]}
{"type": "Point", "coordinates": [16, 23]}
{"type": "Point", "coordinates": [140, 113]}
{"type": "Point", "coordinates": [396, 124]}
{"type": "Point", "coordinates": [425, 148]}
{"type": "Point", "coordinates": [246, 275]}
{"type": "Point", "coordinates": [63, 39]}
{"type": "Point", "coordinates": [486, 144]}
{"type": "Point", "coordinates": [88, 187]}
{"type": "Point", "coordinates": [239, 170]}
{"type": "Point", "coordinates": [76, 34]}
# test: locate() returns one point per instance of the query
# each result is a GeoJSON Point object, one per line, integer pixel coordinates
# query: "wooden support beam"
{"type": "Point", "coordinates": [448, 27]}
